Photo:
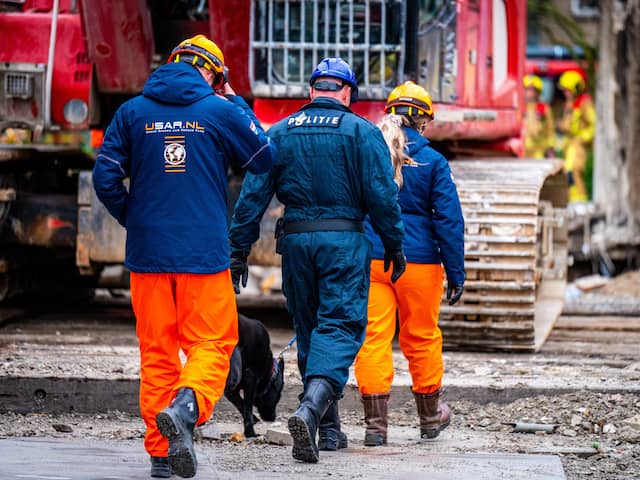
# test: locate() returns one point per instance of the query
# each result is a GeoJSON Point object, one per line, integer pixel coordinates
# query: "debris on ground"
{"type": "Point", "coordinates": [625, 284]}
{"type": "Point", "coordinates": [598, 434]}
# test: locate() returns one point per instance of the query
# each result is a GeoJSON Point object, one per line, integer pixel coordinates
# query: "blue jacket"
{"type": "Point", "coordinates": [332, 164]}
{"type": "Point", "coordinates": [434, 226]}
{"type": "Point", "coordinates": [174, 143]}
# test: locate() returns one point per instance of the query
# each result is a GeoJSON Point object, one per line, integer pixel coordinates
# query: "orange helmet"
{"type": "Point", "coordinates": [201, 52]}
{"type": "Point", "coordinates": [532, 81]}
{"type": "Point", "coordinates": [409, 99]}
{"type": "Point", "coordinates": [572, 81]}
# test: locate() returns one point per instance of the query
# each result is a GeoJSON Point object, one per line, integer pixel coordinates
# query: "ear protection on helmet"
{"type": "Point", "coordinates": [202, 52]}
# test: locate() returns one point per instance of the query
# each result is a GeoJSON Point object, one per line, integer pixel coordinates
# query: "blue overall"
{"type": "Point", "coordinates": [332, 164]}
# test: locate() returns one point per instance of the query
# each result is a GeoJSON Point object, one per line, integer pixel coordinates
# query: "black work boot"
{"type": "Point", "coordinates": [303, 425]}
{"type": "Point", "coordinates": [375, 416]}
{"type": "Point", "coordinates": [330, 438]}
{"type": "Point", "coordinates": [160, 467]}
{"type": "Point", "coordinates": [176, 422]}
{"type": "Point", "coordinates": [434, 415]}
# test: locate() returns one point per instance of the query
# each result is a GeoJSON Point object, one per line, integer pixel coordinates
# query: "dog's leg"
{"type": "Point", "coordinates": [237, 401]}
{"type": "Point", "coordinates": [249, 384]}
{"type": "Point", "coordinates": [235, 398]}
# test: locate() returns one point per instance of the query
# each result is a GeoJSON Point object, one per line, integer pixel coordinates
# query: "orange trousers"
{"type": "Point", "coordinates": [416, 297]}
{"type": "Point", "coordinates": [194, 313]}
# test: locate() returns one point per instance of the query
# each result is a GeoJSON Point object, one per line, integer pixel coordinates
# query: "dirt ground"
{"type": "Point", "coordinates": [597, 435]}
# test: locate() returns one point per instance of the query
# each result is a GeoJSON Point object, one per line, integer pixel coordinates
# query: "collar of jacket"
{"type": "Point", "coordinates": [326, 102]}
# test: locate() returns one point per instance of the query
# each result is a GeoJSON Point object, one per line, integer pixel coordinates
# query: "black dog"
{"type": "Point", "coordinates": [254, 371]}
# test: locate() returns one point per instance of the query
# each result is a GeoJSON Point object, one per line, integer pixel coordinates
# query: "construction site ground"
{"type": "Point", "coordinates": [69, 384]}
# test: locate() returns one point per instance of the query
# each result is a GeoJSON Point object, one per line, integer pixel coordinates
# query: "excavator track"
{"type": "Point", "coordinates": [515, 254]}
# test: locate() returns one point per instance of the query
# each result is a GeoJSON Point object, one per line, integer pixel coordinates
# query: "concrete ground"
{"type": "Point", "coordinates": [62, 459]}
{"type": "Point", "coordinates": [68, 408]}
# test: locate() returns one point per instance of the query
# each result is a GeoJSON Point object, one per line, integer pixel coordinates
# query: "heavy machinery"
{"type": "Point", "coordinates": [468, 53]}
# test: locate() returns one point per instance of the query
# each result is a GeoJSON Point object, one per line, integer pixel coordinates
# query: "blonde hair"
{"type": "Point", "coordinates": [391, 127]}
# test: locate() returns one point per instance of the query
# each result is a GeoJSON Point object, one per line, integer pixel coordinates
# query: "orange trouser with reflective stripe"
{"type": "Point", "coordinates": [193, 312]}
{"type": "Point", "coordinates": [416, 296]}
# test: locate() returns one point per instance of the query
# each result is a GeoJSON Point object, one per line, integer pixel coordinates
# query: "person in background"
{"type": "Point", "coordinates": [539, 128]}
{"type": "Point", "coordinates": [578, 124]}
{"type": "Point", "coordinates": [434, 227]}
{"type": "Point", "coordinates": [175, 142]}
{"type": "Point", "coordinates": [333, 169]}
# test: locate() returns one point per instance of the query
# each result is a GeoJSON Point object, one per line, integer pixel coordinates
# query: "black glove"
{"type": "Point", "coordinates": [399, 263]}
{"type": "Point", "coordinates": [239, 270]}
{"type": "Point", "coordinates": [454, 292]}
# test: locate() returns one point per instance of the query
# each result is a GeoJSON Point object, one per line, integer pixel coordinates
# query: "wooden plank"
{"type": "Point", "coordinates": [516, 297]}
{"type": "Point", "coordinates": [499, 210]}
{"type": "Point", "coordinates": [529, 253]}
{"type": "Point", "coordinates": [508, 239]}
{"type": "Point", "coordinates": [599, 323]}
{"type": "Point", "coordinates": [492, 220]}
{"type": "Point", "coordinates": [479, 310]}
{"type": "Point", "coordinates": [498, 266]}
{"type": "Point", "coordinates": [604, 337]}
{"type": "Point", "coordinates": [488, 285]}
{"type": "Point", "coordinates": [495, 326]}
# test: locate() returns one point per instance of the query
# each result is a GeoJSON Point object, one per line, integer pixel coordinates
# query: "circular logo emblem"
{"type": "Point", "coordinates": [175, 154]}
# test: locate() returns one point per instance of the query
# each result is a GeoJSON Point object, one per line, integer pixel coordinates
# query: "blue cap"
{"type": "Point", "coordinates": [335, 67]}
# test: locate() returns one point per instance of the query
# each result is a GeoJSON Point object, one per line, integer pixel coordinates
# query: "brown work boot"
{"type": "Point", "coordinates": [435, 416]}
{"type": "Point", "coordinates": [375, 416]}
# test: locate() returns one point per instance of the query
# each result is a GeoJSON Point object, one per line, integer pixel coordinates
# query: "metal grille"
{"type": "Point", "coordinates": [289, 38]}
{"type": "Point", "coordinates": [18, 85]}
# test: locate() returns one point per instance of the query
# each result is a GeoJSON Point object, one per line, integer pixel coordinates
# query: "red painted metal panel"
{"type": "Point", "coordinates": [27, 41]}
{"type": "Point", "coordinates": [468, 34]}
{"type": "Point", "coordinates": [503, 125]}
{"type": "Point", "coordinates": [554, 67]}
{"type": "Point", "coordinates": [119, 42]}
{"type": "Point", "coordinates": [269, 110]}
{"type": "Point", "coordinates": [230, 30]}
{"type": "Point", "coordinates": [511, 93]}
{"type": "Point", "coordinates": [480, 113]}
{"type": "Point", "coordinates": [47, 5]}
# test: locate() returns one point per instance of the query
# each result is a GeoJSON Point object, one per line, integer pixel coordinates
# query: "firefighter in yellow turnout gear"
{"type": "Point", "coordinates": [539, 132]}
{"type": "Point", "coordinates": [578, 124]}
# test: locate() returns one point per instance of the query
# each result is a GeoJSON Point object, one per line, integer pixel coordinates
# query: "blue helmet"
{"type": "Point", "coordinates": [335, 67]}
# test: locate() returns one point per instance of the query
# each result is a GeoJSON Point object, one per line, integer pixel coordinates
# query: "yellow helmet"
{"type": "Point", "coordinates": [409, 99]}
{"type": "Point", "coordinates": [201, 52]}
{"type": "Point", "coordinates": [572, 81]}
{"type": "Point", "coordinates": [532, 81]}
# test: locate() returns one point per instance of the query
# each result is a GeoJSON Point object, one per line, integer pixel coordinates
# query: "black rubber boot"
{"type": "Point", "coordinates": [303, 425]}
{"type": "Point", "coordinates": [434, 415]}
{"type": "Point", "coordinates": [160, 467]}
{"type": "Point", "coordinates": [375, 416]}
{"type": "Point", "coordinates": [177, 422]}
{"type": "Point", "coordinates": [330, 438]}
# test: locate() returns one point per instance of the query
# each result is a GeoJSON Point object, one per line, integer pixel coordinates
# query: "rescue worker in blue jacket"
{"type": "Point", "coordinates": [434, 229]}
{"type": "Point", "coordinates": [333, 169]}
{"type": "Point", "coordinates": [174, 143]}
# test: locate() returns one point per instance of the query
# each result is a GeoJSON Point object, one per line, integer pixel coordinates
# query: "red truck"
{"type": "Point", "coordinates": [67, 65]}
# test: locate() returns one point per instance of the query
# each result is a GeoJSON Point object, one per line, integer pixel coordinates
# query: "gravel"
{"type": "Point", "coordinates": [597, 435]}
